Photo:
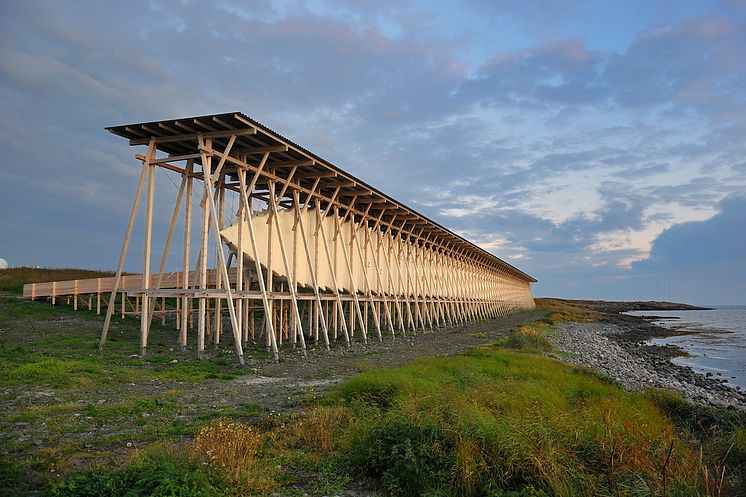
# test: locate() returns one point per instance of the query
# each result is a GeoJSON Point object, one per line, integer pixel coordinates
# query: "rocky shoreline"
{"type": "Point", "coordinates": [618, 349]}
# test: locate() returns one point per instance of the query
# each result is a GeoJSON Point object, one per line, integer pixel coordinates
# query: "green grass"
{"type": "Point", "coordinates": [719, 431]}
{"type": "Point", "coordinates": [61, 351]}
{"type": "Point", "coordinates": [13, 478]}
{"type": "Point", "coordinates": [494, 420]}
{"type": "Point", "coordinates": [20, 366]}
{"type": "Point", "coordinates": [15, 308]}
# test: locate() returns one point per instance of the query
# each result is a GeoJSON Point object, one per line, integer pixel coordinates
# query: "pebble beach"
{"type": "Point", "coordinates": [620, 351]}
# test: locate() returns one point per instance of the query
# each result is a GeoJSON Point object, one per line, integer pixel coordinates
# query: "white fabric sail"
{"type": "Point", "coordinates": [391, 264]}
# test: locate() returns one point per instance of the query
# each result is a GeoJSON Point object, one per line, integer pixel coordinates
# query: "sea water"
{"type": "Point", "coordinates": [714, 339]}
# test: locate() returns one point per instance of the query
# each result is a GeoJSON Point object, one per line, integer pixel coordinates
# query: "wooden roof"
{"type": "Point", "coordinates": [178, 139]}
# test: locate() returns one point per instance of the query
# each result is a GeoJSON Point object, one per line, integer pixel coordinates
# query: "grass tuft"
{"type": "Point", "coordinates": [721, 436]}
{"type": "Point", "coordinates": [529, 337]}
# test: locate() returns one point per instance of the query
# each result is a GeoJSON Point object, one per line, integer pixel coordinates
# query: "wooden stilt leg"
{"type": "Point", "coordinates": [144, 316]}
{"type": "Point", "coordinates": [286, 264]}
{"type": "Point", "coordinates": [123, 254]}
{"type": "Point", "coordinates": [353, 288]}
{"type": "Point", "coordinates": [255, 251]}
{"type": "Point", "coordinates": [185, 301]}
{"type": "Point", "coordinates": [202, 302]}
{"type": "Point", "coordinates": [306, 250]}
{"type": "Point", "coordinates": [221, 256]}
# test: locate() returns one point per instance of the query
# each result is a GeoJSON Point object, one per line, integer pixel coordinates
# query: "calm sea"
{"type": "Point", "coordinates": [715, 340]}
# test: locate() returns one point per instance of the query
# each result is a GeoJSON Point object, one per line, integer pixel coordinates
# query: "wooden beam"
{"type": "Point", "coordinates": [174, 158]}
{"type": "Point", "coordinates": [259, 150]}
{"type": "Point", "coordinates": [290, 163]}
{"type": "Point", "coordinates": [313, 175]}
{"type": "Point", "coordinates": [193, 137]}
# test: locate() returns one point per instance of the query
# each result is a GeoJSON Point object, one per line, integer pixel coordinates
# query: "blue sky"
{"type": "Point", "coordinates": [599, 146]}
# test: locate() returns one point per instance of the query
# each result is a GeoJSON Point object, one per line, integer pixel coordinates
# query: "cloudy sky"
{"type": "Point", "coordinates": [599, 146]}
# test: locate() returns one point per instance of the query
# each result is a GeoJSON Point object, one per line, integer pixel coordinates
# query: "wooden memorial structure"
{"type": "Point", "coordinates": [301, 249]}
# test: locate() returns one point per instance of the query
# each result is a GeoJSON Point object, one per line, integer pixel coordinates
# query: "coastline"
{"type": "Point", "coordinates": [618, 347]}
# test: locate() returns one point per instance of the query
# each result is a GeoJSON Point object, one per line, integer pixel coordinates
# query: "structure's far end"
{"type": "Point", "coordinates": [313, 252]}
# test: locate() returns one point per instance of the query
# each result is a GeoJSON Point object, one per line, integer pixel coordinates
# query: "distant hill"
{"type": "Point", "coordinates": [12, 280]}
{"type": "Point", "coordinates": [617, 307]}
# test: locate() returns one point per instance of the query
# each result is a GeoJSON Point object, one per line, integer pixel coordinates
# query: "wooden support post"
{"type": "Point", "coordinates": [404, 284]}
{"type": "Point", "coordinates": [423, 283]}
{"type": "Point", "coordinates": [144, 316]}
{"type": "Point", "coordinates": [390, 274]}
{"type": "Point", "coordinates": [167, 245]}
{"type": "Point", "coordinates": [270, 284]}
{"type": "Point", "coordinates": [286, 264]}
{"type": "Point", "coordinates": [369, 290]}
{"type": "Point", "coordinates": [255, 251]}
{"type": "Point", "coordinates": [296, 324]}
{"type": "Point", "coordinates": [219, 244]}
{"type": "Point", "coordinates": [240, 311]}
{"type": "Point", "coordinates": [322, 232]}
{"type": "Point", "coordinates": [186, 303]}
{"type": "Point", "coordinates": [220, 201]}
{"type": "Point", "coordinates": [353, 288]}
{"type": "Point", "coordinates": [312, 270]}
{"type": "Point", "coordinates": [125, 245]}
{"type": "Point", "coordinates": [376, 263]}
{"type": "Point", "coordinates": [415, 284]}
{"type": "Point", "coordinates": [202, 265]}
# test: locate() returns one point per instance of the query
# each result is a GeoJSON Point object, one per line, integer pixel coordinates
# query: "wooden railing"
{"type": "Point", "coordinates": [129, 284]}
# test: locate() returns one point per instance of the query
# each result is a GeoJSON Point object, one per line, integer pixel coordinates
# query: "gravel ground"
{"type": "Point", "coordinates": [617, 351]}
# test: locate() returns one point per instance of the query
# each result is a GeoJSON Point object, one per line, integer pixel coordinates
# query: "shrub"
{"type": "Point", "coordinates": [408, 458]}
{"type": "Point", "coordinates": [160, 475]}
{"type": "Point", "coordinates": [234, 448]}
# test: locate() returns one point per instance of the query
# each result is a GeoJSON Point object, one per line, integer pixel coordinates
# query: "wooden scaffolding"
{"type": "Point", "coordinates": [308, 251]}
